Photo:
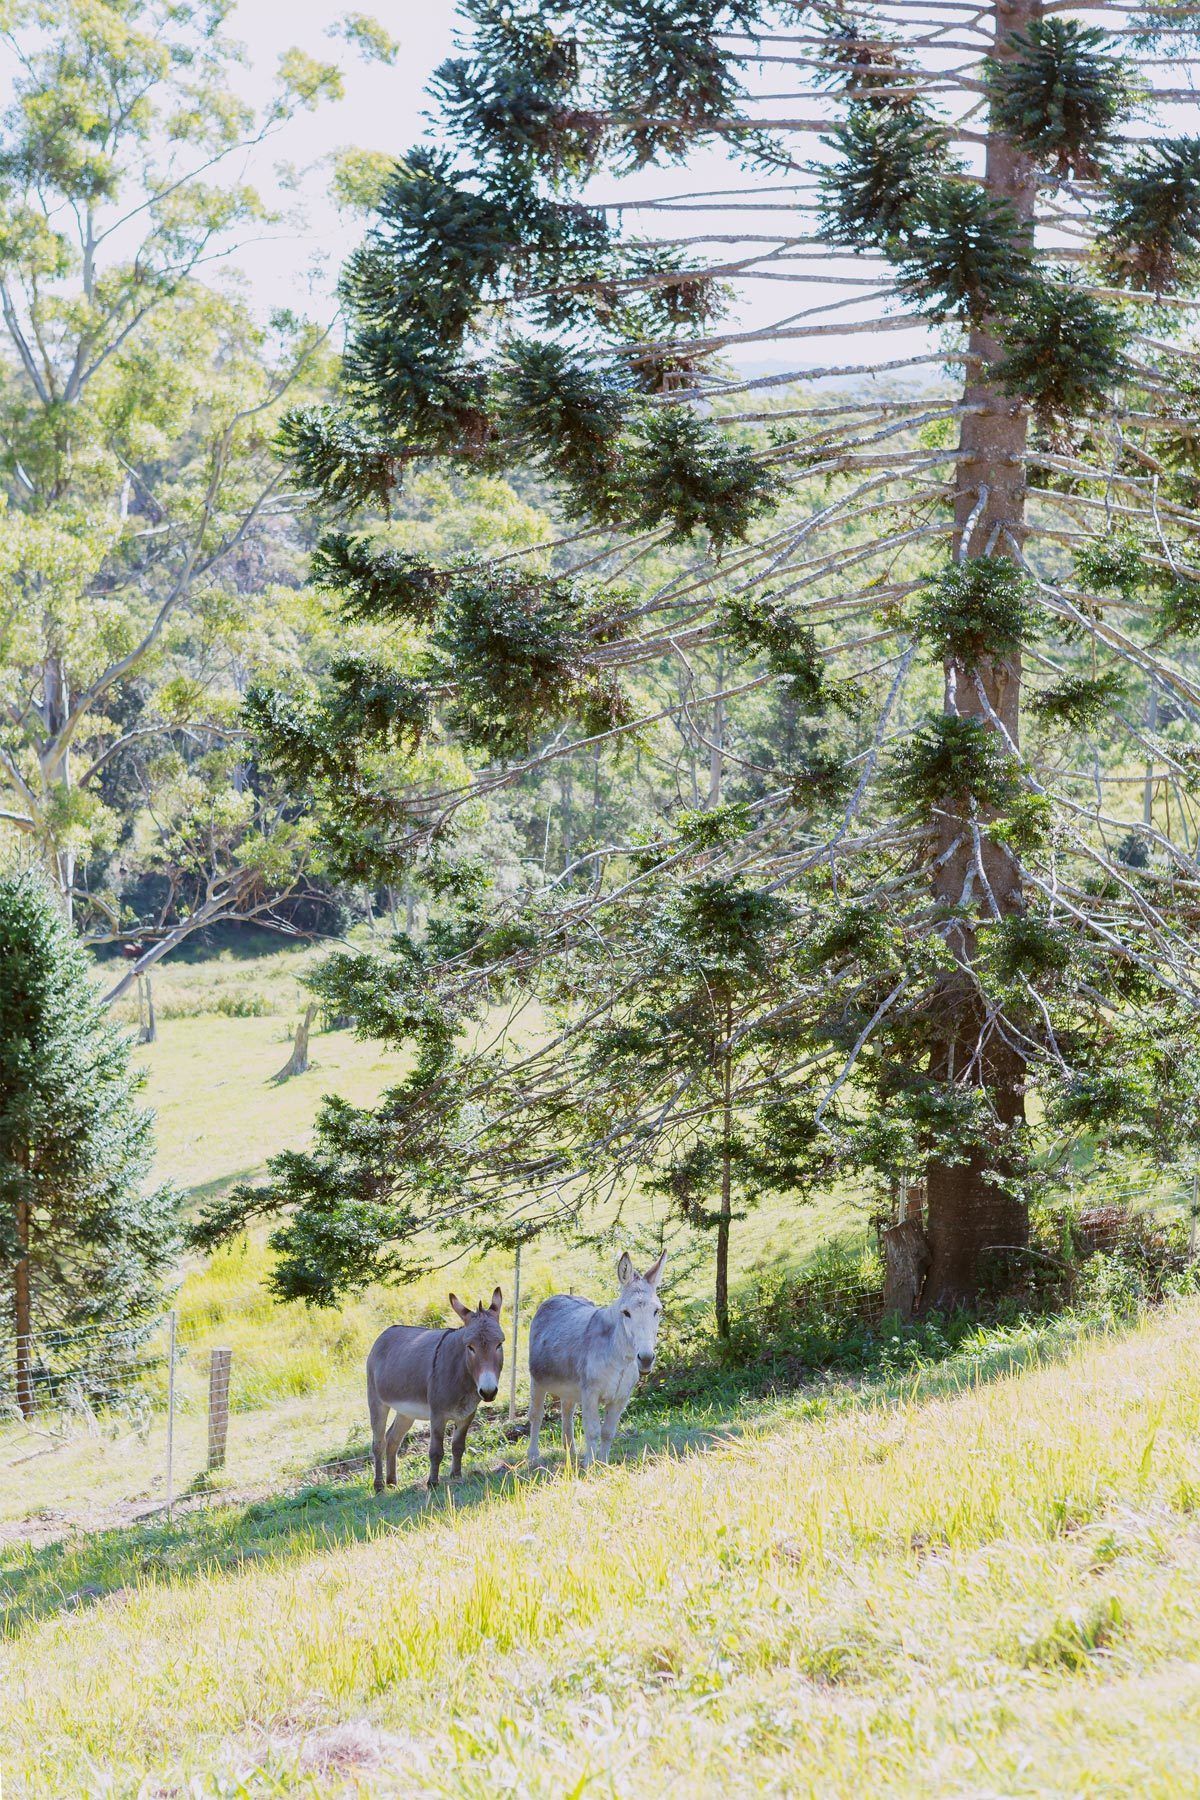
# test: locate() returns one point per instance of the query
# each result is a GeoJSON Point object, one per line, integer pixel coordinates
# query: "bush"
{"type": "Point", "coordinates": [828, 1314]}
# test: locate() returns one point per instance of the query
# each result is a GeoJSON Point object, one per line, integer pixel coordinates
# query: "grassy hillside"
{"type": "Point", "coordinates": [225, 1025]}
{"type": "Point", "coordinates": [983, 1584]}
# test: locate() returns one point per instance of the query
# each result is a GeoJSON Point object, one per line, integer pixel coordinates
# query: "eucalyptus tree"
{"type": "Point", "coordinates": [137, 407]}
{"type": "Point", "coordinates": [952, 523]}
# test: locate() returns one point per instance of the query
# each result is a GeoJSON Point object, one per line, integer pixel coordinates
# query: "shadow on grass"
{"type": "Point", "coordinates": [220, 1184]}
{"type": "Point", "coordinates": [39, 1582]}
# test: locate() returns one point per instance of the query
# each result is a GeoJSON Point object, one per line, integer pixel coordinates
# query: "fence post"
{"type": "Point", "coordinates": [218, 1406]}
{"type": "Point", "coordinates": [512, 1375]}
{"type": "Point", "coordinates": [171, 1413]}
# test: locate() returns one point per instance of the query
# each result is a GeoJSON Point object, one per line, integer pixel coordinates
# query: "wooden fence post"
{"type": "Point", "coordinates": [218, 1406]}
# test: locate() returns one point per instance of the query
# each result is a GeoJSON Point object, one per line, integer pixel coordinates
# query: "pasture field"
{"type": "Point", "coordinates": [978, 1581]}
{"type": "Point", "coordinates": [224, 1029]}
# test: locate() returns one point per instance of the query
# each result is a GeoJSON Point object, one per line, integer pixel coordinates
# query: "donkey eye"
{"type": "Point", "coordinates": [625, 1313]}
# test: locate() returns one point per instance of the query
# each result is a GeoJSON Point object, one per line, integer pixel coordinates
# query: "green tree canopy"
{"type": "Point", "coordinates": [142, 509]}
{"type": "Point", "coordinates": [977, 595]}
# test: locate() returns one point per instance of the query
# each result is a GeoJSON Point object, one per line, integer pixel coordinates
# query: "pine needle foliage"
{"type": "Point", "coordinates": [961, 256]}
{"type": "Point", "coordinates": [790, 650]}
{"type": "Point", "coordinates": [669, 75]}
{"type": "Point", "coordinates": [78, 1212]}
{"type": "Point", "coordinates": [513, 100]}
{"type": "Point", "coordinates": [1080, 703]}
{"type": "Point", "coordinates": [1059, 93]}
{"type": "Point", "coordinates": [979, 608]}
{"type": "Point", "coordinates": [886, 163]}
{"type": "Point", "coordinates": [1065, 351]}
{"type": "Point", "coordinates": [332, 456]}
{"type": "Point", "coordinates": [516, 648]}
{"type": "Point", "coordinates": [378, 583]}
{"type": "Point", "coordinates": [1151, 223]}
{"type": "Point", "coordinates": [955, 765]}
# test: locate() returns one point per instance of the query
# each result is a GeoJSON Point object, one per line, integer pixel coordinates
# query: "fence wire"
{"type": "Point", "coordinates": [61, 1385]}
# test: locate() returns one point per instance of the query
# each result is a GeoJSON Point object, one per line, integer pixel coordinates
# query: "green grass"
{"type": "Point", "coordinates": [977, 1582]}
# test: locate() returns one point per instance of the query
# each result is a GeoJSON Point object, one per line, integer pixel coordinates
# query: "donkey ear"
{"type": "Point", "coordinates": [654, 1272]}
{"type": "Point", "coordinates": [464, 1312]}
{"type": "Point", "coordinates": [497, 1302]}
{"type": "Point", "coordinates": [625, 1268]}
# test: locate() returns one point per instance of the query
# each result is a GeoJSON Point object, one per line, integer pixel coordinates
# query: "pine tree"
{"type": "Point", "coordinates": [966, 593]}
{"type": "Point", "coordinates": [83, 1240]}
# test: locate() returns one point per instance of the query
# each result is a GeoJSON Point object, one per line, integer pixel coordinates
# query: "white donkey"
{"type": "Point", "coordinates": [591, 1357]}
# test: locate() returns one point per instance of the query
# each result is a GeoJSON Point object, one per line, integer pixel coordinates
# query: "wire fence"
{"type": "Point", "coordinates": [58, 1385]}
{"type": "Point", "coordinates": [159, 1406]}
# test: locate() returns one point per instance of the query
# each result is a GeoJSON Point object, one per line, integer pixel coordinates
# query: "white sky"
{"type": "Point", "coordinates": [382, 110]}
{"type": "Point", "coordinates": [296, 263]}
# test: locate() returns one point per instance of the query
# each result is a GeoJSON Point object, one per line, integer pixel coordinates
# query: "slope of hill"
{"type": "Point", "coordinates": [984, 1583]}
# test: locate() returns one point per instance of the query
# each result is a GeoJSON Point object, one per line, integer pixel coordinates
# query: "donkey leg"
{"type": "Point", "coordinates": [590, 1407]}
{"type": "Point", "coordinates": [567, 1405]}
{"type": "Point", "coordinates": [612, 1418]}
{"type": "Point", "coordinates": [437, 1448]}
{"type": "Point", "coordinates": [537, 1408]}
{"type": "Point", "coordinates": [458, 1444]}
{"type": "Point", "coordinates": [379, 1413]}
{"type": "Point", "coordinates": [398, 1430]}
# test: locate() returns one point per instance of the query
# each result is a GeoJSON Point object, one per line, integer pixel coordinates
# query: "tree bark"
{"type": "Point", "coordinates": [297, 1062]}
{"type": "Point", "coordinates": [23, 1315]}
{"type": "Point", "coordinates": [716, 742]}
{"type": "Point", "coordinates": [55, 761]}
{"type": "Point", "coordinates": [907, 1257]}
{"type": "Point", "coordinates": [147, 1023]}
{"type": "Point", "coordinates": [967, 1214]}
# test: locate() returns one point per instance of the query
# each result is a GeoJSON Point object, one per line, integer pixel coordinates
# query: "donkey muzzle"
{"type": "Point", "coordinates": [488, 1390]}
{"type": "Point", "coordinates": [645, 1364]}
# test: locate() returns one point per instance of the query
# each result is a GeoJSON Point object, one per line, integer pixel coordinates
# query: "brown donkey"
{"type": "Point", "coordinates": [436, 1375]}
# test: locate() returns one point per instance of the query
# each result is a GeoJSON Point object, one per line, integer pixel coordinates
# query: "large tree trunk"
{"type": "Point", "coordinates": [967, 1214]}
{"type": "Point", "coordinates": [906, 1261]}
{"type": "Point", "coordinates": [23, 1315]}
